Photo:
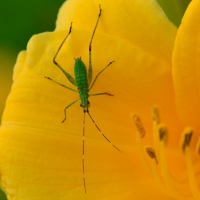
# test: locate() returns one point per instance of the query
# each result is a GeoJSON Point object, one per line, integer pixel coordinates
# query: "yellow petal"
{"type": "Point", "coordinates": [186, 66]}
{"type": "Point", "coordinates": [41, 158]}
{"type": "Point", "coordinates": [142, 23]}
{"type": "Point", "coordinates": [44, 156]}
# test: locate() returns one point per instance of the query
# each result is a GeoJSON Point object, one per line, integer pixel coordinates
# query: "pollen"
{"type": "Point", "coordinates": [138, 125]}
{"type": "Point", "coordinates": [151, 152]}
{"type": "Point", "coordinates": [157, 168]}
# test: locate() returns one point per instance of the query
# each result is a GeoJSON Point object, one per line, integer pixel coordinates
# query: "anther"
{"type": "Point", "coordinates": [188, 132]}
{"type": "Point", "coordinates": [150, 151]}
{"type": "Point", "coordinates": [138, 125]}
{"type": "Point", "coordinates": [155, 114]}
{"type": "Point", "coordinates": [163, 133]}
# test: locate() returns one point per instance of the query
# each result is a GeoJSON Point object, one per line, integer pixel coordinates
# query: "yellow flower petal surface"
{"type": "Point", "coordinates": [141, 23]}
{"type": "Point", "coordinates": [186, 66]}
{"type": "Point", "coordinates": [41, 158]}
{"type": "Point", "coordinates": [129, 20]}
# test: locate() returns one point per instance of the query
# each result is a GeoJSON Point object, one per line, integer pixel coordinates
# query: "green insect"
{"type": "Point", "coordinates": [83, 81]}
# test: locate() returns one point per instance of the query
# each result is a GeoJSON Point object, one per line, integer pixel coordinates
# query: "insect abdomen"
{"type": "Point", "coordinates": [80, 73]}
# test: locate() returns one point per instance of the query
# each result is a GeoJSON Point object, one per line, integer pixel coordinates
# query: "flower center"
{"type": "Point", "coordinates": [158, 169]}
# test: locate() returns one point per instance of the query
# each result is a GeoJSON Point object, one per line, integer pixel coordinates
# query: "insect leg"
{"type": "Point", "coordinates": [69, 77]}
{"type": "Point", "coordinates": [102, 133]}
{"type": "Point", "coordinates": [61, 84]}
{"type": "Point", "coordinates": [99, 74]}
{"type": "Point", "coordinates": [68, 107]}
{"type": "Point", "coordinates": [90, 49]}
{"type": "Point", "coordinates": [102, 93]}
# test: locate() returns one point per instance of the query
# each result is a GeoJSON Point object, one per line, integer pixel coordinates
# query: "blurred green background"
{"type": "Point", "coordinates": [21, 19]}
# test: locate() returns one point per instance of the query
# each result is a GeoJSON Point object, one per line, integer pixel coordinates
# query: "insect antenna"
{"type": "Point", "coordinates": [101, 132]}
{"type": "Point", "coordinates": [83, 159]}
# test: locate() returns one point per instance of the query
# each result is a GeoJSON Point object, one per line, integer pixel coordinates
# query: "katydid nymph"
{"type": "Point", "coordinates": [83, 82]}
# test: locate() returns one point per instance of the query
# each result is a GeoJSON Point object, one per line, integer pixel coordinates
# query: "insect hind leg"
{"type": "Point", "coordinates": [69, 77]}
{"type": "Point", "coordinates": [90, 49]}
{"type": "Point", "coordinates": [54, 58]}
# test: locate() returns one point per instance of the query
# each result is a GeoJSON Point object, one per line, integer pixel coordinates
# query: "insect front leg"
{"type": "Point", "coordinates": [68, 107]}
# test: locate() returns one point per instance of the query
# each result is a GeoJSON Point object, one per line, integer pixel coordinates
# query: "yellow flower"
{"type": "Point", "coordinates": [41, 158]}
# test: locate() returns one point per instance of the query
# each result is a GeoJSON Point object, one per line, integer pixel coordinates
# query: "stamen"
{"type": "Point", "coordinates": [150, 151]}
{"type": "Point", "coordinates": [156, 121]}
{"type": "Point", "coordinates": [155, 114]}
{"type": "Point", "coordinates": [187, 135]}
{"type": "Point", "coordinates": [164, 167]}
{"type": "Point", "coordinates": [198, 148]}
{"type": "Point", "coordinates": [163, 133]}
{"type": "Point", "coordinates": [186, 149]}
{"type": "Point", "coordinates": [167, 183]}
{"type": "Point", "coordinates": [156, 173]}
{"type": "Point", "coordinates": [139, 134]}
{"type": "Point", "coordinates": [138, 125]}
